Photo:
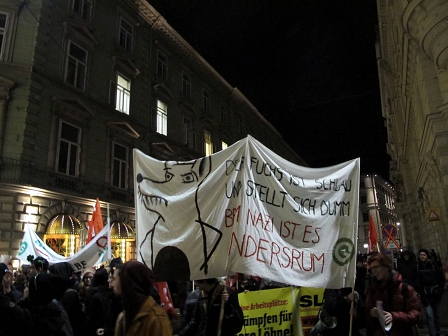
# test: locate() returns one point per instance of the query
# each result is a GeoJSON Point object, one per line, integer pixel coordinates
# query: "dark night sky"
{"type": "Point", "coordinates": [308, 66]}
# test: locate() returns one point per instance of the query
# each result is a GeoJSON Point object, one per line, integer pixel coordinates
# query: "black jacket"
{"type": "Point", "coordinates": [27, 318]}
{"type": "Point", "coordinates": [206, 316]}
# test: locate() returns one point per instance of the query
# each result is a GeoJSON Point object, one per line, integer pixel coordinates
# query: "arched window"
{"type": "Point", "coordinates": [122, 239]}
{"type": "Point", "coordinates": [63, 233]}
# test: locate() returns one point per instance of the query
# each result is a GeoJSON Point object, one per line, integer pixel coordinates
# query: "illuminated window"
{"type": "Point", "coordinates": [224, 145]}
{"type": "Point", "coordinates": [162, 117]}
{"type": "Point", "coordinates": [123, 97]}
{"type": "Point", "coordinates": [208, 143]}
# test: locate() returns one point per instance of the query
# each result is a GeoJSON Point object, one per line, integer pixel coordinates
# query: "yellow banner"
{"type": "Point", "coordinates": [281, 312]}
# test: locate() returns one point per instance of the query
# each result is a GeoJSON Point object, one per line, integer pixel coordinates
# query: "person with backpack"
{"type": "Point", "coordinates": [392, 306]}
{"type": "Point", "coordinates": [430, 285]}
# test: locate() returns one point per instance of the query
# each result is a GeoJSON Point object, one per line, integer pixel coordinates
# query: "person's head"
{"type": "Point", "coordinates": [370, 255]}
{"type": "Point", "coordinates": [37, 266]}
{"type": "Point", "coordinates": [62, 268]}
{"type": "Point", "coordinates": [100, 278]}
{"type": "Point", "coordinates": [3, 270]}
{"type": "Point", "coordinates": [8, 278]}
{"type": "Point", "coordinates": [113, 264]}
{"type": "Point", "coordinates": [134, 282]}
{"type": "Point", "coordinates": [207, 284]}
{"type": "Point", "coordinates": [423, 255]}
{"type": "Point", "coordinates": [45, 287]}
{"type": "Point", "coordinates": [87, 278]}
{"type": "Point", "coordinates": [380, 266]}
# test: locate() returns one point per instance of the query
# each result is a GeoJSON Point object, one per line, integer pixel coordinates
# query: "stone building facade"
{"type": "Point", "coordinates": [82, 83]}
{"type": "Point", "coordinates": [412, 55]}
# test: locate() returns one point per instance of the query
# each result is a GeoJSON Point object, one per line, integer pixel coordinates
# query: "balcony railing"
{"type": "Point", "coordinates": [21, 172]}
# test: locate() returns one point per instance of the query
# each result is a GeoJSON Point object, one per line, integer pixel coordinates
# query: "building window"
{"type": "Point", "coordinates": [206, 101]}
{"type": "Point", "coordinates": [69, 148]}
{"type": "Point", "coordinates": [208, 143]}
{"type": "Point", "coordinates": [186, 85]}
{"type": "Point", "coordinates": [3, 27]}
{"type": "Point", "coordinates": [365, 216]}
{"type": "Point", "coordinates": [76, 66]}
{"type": "Point", "coordinates": [242, 128]}
{"type": "Point", "coordinates": [162, 65]}
{"type": "Point", "coordinates": [123, 97]}
{"type": "Point", "coordinates": [119, 166]}
{"type": "Point", "coordinates": [125, 35]}
{"type": "Point", "coordinates": [193, 141]}
{"type": "Point", "coordinates": [83, 8]}
{"type": "Point", "coordinates": [363, 199]}
{"type": "Point", "coordinates": [224, 145]}
{"type": "Point", "coordinates": [187, 130]}
{"type": "Point", "coordinates": [223, 113]}
{"type": "Point", "coordinates": [162, 117]}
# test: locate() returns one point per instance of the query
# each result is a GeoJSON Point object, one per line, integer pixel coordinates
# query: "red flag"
{"type": "Point", "coordinates": [96, 224]}
{"type": "Point", "coordinates": [373, 237]}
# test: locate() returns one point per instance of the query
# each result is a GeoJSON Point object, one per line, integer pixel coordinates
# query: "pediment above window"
{"type": "Point", "coordinates": [81, 34]}
{"type": "Point", "coordinates": [162, 150]}
{"type": "Point", "coordinates": [225, 136]}
{"type": "Point", "coordinates": [208, 122]}
{"type": "Point", "coordinates": [188, 108]}
{"type": "Point", "coordinates": [72, 108]}
{"type": "Point", "coordinates": [125, 65]}
{"type": "Point", "coordinates": [163, 92]}
{"type": "Point", "coordinates": [123, 128]}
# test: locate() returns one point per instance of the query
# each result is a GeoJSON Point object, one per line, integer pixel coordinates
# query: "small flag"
{"type": "Point", "coordinates": [373, 237]}
{"type": "Point", "coordinates": [96, 224]}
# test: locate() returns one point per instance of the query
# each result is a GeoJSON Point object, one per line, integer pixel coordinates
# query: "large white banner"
{"type": "Point", "coordinates": [246, 209]}
{"type": "Point", "coordinates": [94, 253]}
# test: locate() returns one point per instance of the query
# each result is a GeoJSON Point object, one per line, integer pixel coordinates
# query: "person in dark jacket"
{"type": "Point", "coordinates": [337, 303]}
{"type": "Point", "coordinates": [98, 304]}
{"type": "Point", "coordinates": [407, 268]}
{"type": "Point", "coordinates": [399, 301]}
{"type": "Point", "coordinates": [70, 297]}
{"type": "Point", "coordinates": [6, 284]}
{"type": "Point", "coordinates": [430, 282]}
{"type": "Point", "coordinates": [39, 314]}
{"type": "Point", "coordinates": [205, 320]}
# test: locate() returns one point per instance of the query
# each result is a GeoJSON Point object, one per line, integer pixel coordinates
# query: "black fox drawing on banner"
{"type": "Point", "coordinates": [171, 263]}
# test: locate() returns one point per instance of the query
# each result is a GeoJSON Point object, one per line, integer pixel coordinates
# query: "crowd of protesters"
{"type": "Point", "coordinates": [123, 299]}
{"type": "Point", "coordinates": [118, 299]}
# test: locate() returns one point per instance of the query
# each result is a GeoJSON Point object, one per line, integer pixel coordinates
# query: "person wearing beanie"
{"type": "Point", "coordinates": [85, 284]}
{"type": "Point", "coordinates": [70, 297]}
{"type": "Point", "coordinates": [39, 313]}
{"type": "Point", "coordinates": [98, 305]}
{"type": "Point", "coordinates": [133, 282]}
{"type": "Point", "coordinates": [430, 286]}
